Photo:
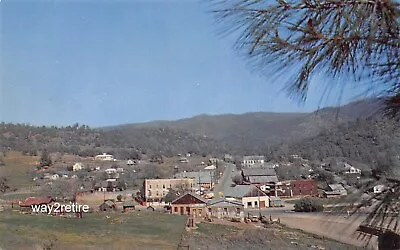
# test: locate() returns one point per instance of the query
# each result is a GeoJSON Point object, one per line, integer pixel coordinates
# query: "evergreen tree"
{"type": "Point", "coordinates": [45, 159]}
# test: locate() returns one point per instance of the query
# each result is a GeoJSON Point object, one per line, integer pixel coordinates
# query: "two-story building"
{"type": "Point", "coordinates": [201, 179]}
{"type": "Point", "coordinates": [250, 160]}
{"type": "Point", "coordinates": [296, 188]}
{"type": "Point", "coordinates": [154, 190]}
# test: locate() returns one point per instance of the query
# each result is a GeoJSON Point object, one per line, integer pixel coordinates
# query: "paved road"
{"type": "Point", "coordinates": [226, 179]}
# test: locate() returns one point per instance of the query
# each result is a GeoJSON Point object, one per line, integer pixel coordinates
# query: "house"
{"type": "Point", "coordinates": [129, 205]}
{"type": "Point", "coordinates": [222, 208]}
{"type": "Point", "coordinates": [54, 177]}
{"type": "Point", "coordinates": [107, 206]}
{"type": "Point", "coordinates": [189, 204]}
{"type": "Point", "coordinates": [378, 189]}
{"type": "Point", "coordinates": [296, 188]}
{"type": "Point", "coordinates": [260, 176]}
{"type": "Point", "coordinates": [249, 161]}
{"type": "Point", "coordinates": [104, 157]}
{"type": "Point", "coordinates": [154, 190]}
{"type": "Point", "coordinates": [183, 160]}
{"type": "Point", "coordinates": [201, 179]}
{"type": "Point", "coordinates": [335, 190]}
{"type": "Point", "coordinates": [213, 160]}
{"type": "Point", "coordinates": [77, 166]}
{"type": "Point", "coordinates": [26, 206]}
{"type": "Point", "coordinates": [102, 186]}
{"type": "Point", "coordinates": [250, 196]}
{"type": "Point", "coordinates": [63, 173]}
{"type": "Point", "coordinates": [111, 171]}
{"type": "Point", "coordinates": [228, 158]}
{"type": "Point", "coordinates": [211, 167]}
{"type": "Point", "coordinates": [348, 169]}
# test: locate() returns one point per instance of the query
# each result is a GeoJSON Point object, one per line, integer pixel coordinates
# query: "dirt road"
{"type": "Point", "coordinates": [335, 227]}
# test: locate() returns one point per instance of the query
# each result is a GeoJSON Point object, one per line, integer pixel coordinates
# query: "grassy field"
{"type": "Point", "coordinates": [16, 170]}
{"type": "Point", "coordinates": [136, 230]}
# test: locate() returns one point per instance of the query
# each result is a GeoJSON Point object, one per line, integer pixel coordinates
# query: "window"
{"type": "Point", "coordinates": [237, 211]}
{"type": "Point", "coordinates": [150, 186]}
{"type": "Point", "coordinates": [175, 209]}
{"type": "Point", "coordinates": [209, 209]}
{"type": "Point", "coordinates": [249, 204]}
{"type": "Point", "coordinates": [225, 210]}
{"type": "Point", "coordinates": [163, 186]}
{"type": "Point", "coordinates": [255, 203]}
{"type": "Point", "coordinates": [200, 212]}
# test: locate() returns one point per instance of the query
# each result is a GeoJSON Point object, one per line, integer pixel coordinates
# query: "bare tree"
{"type": "Point", "coordinates": [62, 189]}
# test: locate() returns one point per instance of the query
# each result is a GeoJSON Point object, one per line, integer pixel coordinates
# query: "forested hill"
{"type": "Point", "coordinates": [375, 142]}
{"type": "Point", "coordinates": [84, 141]}
{"type": "Point", "coordinates": [252, 133]}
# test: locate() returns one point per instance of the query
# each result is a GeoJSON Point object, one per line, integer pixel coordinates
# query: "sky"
{"type": "Point", "coordinates": [104, 63]}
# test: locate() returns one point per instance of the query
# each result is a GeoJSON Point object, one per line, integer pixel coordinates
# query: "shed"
{"type": "Point", "coordinates": [107, 206]}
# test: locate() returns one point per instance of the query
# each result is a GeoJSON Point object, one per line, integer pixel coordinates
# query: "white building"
{"type": "Point", "coordinates": [111, 171]}
{"type": "Point", "coordinates": [250, 196]}
{"type": "Point", "coordinates": [249, 161]}
{"type": "Point", "coordinates": [55, 177]}
{"type": "Point", "coordinates": [77, 166]}
{"type": "Point", "coordinates": [378, 189]}
{"type": "Point", "coordinates": [351, 170]}
{"type": "Point", "coordinates": [104, 157]}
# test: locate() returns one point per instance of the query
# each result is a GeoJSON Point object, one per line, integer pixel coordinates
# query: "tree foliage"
{"type": "Point", "coordinates": [45, 159]}
{"type": "Point", "coordinates": [355, 39]}
{"type": "Point", "coordinates": [4, 185]}
{"type": "Point", "coordinates": [308, 205]}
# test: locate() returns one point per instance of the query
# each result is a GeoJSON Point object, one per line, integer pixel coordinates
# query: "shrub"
{"type": "Point", "coordinates": [119, 197]}
{"type": "Point", "coordinates": [308, 205]}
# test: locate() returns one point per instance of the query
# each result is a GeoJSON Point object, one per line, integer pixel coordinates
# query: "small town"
{"type": "Point", "coordinates": [206, 125]}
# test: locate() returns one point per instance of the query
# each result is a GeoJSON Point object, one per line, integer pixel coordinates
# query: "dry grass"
{"type": "Point", "coordinates": [138, 230]}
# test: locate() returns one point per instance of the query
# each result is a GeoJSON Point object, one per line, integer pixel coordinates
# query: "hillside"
{"type": "Point", "coordinates": [254, 132]}
{"type": "Point", "coordinates": [250, 133]}
{"type": "Point", "coordinates": [370, 141]}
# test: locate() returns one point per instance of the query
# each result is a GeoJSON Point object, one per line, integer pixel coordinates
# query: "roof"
{"type": "Point", "coordinates": [263, 179]}
{"type": "Point", "coordinates": [223, 202]}
{"type": "Point", "coordinates": [211, 167]}
{"type": "Point", "coordinates": [258, 172]}
{"type": "Point", "coordinates": [337, 187]}
{"type": "Point", "coordinates": [253, 157]}
{"type": "Point", "coordinates": [198, 197]}
{"type": "Point", "coordinates": [109, 203]}
{"type": "Point", "coordinates": [240, 191]}
{"type": "Point", "coordinates": [347, 166]}
{"type": "Point", "coordinates": [273, 198]}
{"type": "Point", "coordinates": [203, 177]}
{"type": "Point", "coordinates": [36, 201]}
{"type": "Point", "coordinates": [130, 203]}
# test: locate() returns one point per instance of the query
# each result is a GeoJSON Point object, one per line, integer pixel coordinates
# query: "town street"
{"type": "Point", "coordinates": [226, 179]}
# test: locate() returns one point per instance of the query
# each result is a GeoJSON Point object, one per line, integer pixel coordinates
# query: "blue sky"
{"type": "Point", "coordinates": [112, 62]}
